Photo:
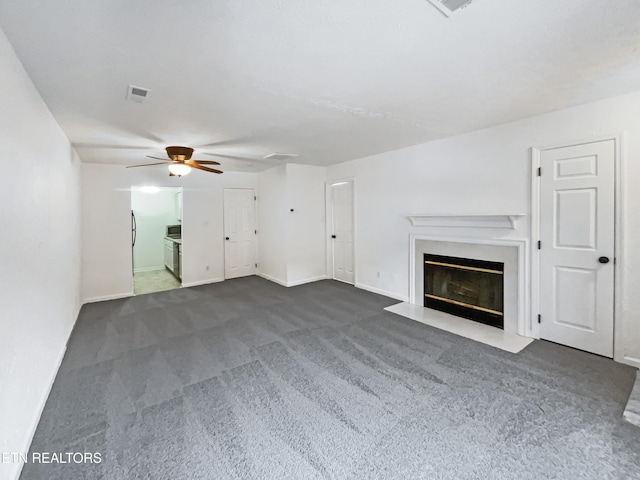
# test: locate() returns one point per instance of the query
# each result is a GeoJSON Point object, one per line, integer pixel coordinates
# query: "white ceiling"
{"type": "Point", "coordinates": [331, 80]}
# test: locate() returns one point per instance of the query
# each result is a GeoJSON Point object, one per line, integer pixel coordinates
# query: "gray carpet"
{"type": "Point", "coordinates": [246, 379]}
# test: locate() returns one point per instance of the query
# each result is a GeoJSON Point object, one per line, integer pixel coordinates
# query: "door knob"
{"type": "Point", "coordinates": [603, 259]}
{"type": "Point", "coordinates": [333, 236]}
{"type": "Point", "coordinates": [226, 238]}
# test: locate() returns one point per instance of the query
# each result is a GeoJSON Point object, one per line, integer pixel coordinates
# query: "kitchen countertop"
{"type": "Point", "coordinates": [174, 240]}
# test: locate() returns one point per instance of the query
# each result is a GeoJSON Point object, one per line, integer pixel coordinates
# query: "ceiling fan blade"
{"type": "Point", "coordinates": [205, 162]}
{"type": "Point", "coordinates": [232, 157]}
{"type": "Point", "coordinates": [157, 158]}
{"type": "Point", "coordinates": [206, 169]}
{"type": "Point", "coordinates": [147, 164]}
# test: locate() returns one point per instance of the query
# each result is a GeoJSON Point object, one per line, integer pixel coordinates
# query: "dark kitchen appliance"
{"type": "Point", "coordinates": [174, 231]}
{"type": "Point", "coordinates": [133, 236]}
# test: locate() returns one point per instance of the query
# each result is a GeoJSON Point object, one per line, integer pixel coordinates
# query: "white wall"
{"type": "Point", "coordinates": [106, 212]}
{"type": "Point", "coordinates": [306, 250]}
{"type": "Point", "coordinates": [153, 211]}
{"type": "Point", "coordinates": [272, 224]}
{"type": "Point", "coordinates": [40, 254]}
{"type": "Point", "coordinates": [292, 243]}
{"type": "Point", "coordinates": [488, 171]}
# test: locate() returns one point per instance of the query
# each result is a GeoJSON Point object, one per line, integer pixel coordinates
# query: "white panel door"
{"type": "Point", "coordinates": [239, 232]}
{"type": "Point", "coordinates": [343, 227]}
{"type": "Point", "coordinates": [577, 222]}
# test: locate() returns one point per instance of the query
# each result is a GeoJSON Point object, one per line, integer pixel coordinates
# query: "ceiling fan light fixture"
{"type": "Point", "coordinates": [180, 162]}
{"type": "Point", "coordinates": [179, 169]}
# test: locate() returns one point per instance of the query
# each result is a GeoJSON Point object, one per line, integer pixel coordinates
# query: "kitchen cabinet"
{"type": "Point", "coordinates": [173, 256]}
{"type": "Point", "coordinates": [168, 254]}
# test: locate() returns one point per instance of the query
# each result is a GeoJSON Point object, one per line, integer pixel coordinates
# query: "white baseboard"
{"type": "Point", "coordinates": [202, 282]}
{"type": "Point", "coordinates": [306, 280]}
{"type": "Point", "coordinates": [634, 362]}
{"type": "Point", "coordinates": [291, 284]}
{"type": "Point", "coordinates": [43, 401]}
{"type": "Point", "coordinates": [379, 291]}
{"type": "Point", "coordinates": [272, 279]}
{"type": "Point", "coordinates": [103, 298]}
{"type": "Point", "coordinates": [632, 410]}
{"type": "Point", "coordinates": [149, 269]}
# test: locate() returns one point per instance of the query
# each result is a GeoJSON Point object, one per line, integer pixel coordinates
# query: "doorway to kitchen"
{"type": "Point", "coordinates": [156, 238]}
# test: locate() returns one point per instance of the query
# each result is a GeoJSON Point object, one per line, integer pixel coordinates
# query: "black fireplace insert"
{"type": "Point", "coordinates": [465, 287]}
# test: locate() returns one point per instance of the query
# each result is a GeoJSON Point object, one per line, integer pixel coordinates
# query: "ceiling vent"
{"type": "Point", "coordinates": [449, 6]}
{"type": "Point", "coordinates": [137, 94]}
{"type": "Point", "coordinates": [281, 156]}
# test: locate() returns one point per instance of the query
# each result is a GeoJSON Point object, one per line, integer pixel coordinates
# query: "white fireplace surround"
{"type": "Point", "coordinates": [512, 252]}
{"type": "Point", "coordinates": [466, 221]}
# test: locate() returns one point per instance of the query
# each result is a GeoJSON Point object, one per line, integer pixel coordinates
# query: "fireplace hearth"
{"type": "Point", "coordinates": [468, 288]}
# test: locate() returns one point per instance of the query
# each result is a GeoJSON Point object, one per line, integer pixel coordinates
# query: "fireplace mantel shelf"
{"type": "Point", "coordinates": [462, 220]}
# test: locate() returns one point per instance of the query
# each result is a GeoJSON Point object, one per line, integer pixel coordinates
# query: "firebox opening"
{"type": "Point", "coordinates": [465, 287]}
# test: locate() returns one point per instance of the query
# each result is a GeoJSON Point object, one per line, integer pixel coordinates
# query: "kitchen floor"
{"type": "Point", "coordinates": [154, 281]}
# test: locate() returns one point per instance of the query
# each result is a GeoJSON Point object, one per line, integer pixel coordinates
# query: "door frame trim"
{"type": "Point", "coordinates": [255, 224]}
{"type": "Point", "coordinates": [329, 226]}
{"type": "Point", "coordinates": [131, 189]}
{"type": "Point", "coordinates": [619, 206]}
